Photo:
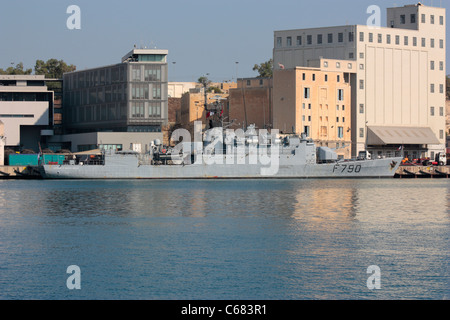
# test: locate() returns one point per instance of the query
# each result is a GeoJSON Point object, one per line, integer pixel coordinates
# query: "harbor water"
{"type": "Point", "coordinates": [225, 239]}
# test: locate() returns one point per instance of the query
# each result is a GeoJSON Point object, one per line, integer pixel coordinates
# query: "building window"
{"type": "Point", "coordinates": [307, 92]}
{"type": "Point", "coordinates": [441, 88]}
{"type": "Point", "coordinates": [340, 132]}
{"type": "Point", "coordinates": [337, 119]}
{"type": "Point", "coordinates": [397, 39]}
{"type": "Point", "coordinates": [338, 78]}
{"type": "Point", "coordinates": [351, 36]}
{"type": "Point", "coordinates": [432, 65]}
{"type": "Point", "coordinates": [248, 82]}
{"type": "Point", "coordinates": [343, 119]}
{"type": "Point", "coordinates": [413, 18]}
{"type": "Point", "coordinates": [337, 107]}
{"type": "Point", "coordinates": [304, 118]}
{"type": "Point", "coordinates": [304, 76]}
{"type": "Point", "coordinates": [306, 130]}
{"type": "Point", "coordinates": [441, 43]}
{"type": "Point", "coordinates": [415, 41]}
{"type": "Point", "coordinates": [139, 91]}
{"type": "Point", "coordinates": [299, 40]}
{"type": "Point", "coordinates": [423, 18]}
{"type": "Point", "coordinates": [313, 77]}
{"type": "Point", "coordinates": [319, 39]}
{"type": "Point", "coordinates": [432, 19]}
{"type": "Point", "coordinates": [338, 65]}
{"type": "Point", "coordinates": [137, 110]}
{"type": "Point", "coordinates": [361, 36]}
{"type": "Point", "coordinates": [304, 107]}
{"type": "Point", "coordinates": [361, 84]}
{"type": "Point", "coordinates": [361, 66]}
{"type": "Point", "coordinates": [388, 39]}
{"type": "Point", "coordinates": [330, 38]}
{"type": "Point", "coordinates": [309, 118]}
{"type": "Point", "coordinates": [406, 40]}
{"type": "Point", "coordinates": [361, 108]}
{"type": "Point", "coordinates": [309, 106]}
{"type": "Point", "coordinates": [432, 43]}
{"type": "Point", "coordinates": [441, 20]}
{"type": "Point", "coordinates": [326, 78]}
{"type": "Point", "coordinates": [423, 42]}
{"type": "Point", "coordinates": [136, 73]}
{"type": "Point", "coordinates": [309, 39]}
{"type": "Point", "coordinates": [441, 111]}
{"type": "Point", "coordinates": [402, 19]}
{"type": "Point", "coordinates": [340, 94]}
{"type": "Point", "coordinates": [432, 111]}
{"type": "Point", "coordinates": [279, 42]}
{"type": "Point", "coordinates": [361, 132]}
{"type": "Point", "coordinates": [289, 41]}
{"type": "Point", "coordinates": [432, 88]}
{"type": "Point", "coordinates": [351, 55]}
{"type": "Point", "coordinates": [441, 134]}
{"type": "Point", "coordinates": [441, 65]}
{"type": "Point", "coordinates": [370, 37]}
{"type": "Point", "coordinates": [340, 37]}
{"type": "Point", "coordinates": [380, 38]}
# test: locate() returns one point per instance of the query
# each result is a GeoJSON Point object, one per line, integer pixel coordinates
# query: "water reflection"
{"type": "Point", "coordinates": [248, 239]}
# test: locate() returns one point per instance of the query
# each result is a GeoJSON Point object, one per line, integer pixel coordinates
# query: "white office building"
{"type": "Point", "coordinates": [398, 90]}
{"type": "Point", "coordinates": [26, 110]}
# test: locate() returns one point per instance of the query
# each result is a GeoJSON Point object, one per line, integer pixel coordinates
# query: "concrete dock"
{"type": "Point", "coordinates": [423, 172]}
{"type": "Point", "coordinates": [19, 172]}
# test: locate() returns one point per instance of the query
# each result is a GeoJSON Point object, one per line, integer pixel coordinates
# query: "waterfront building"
{"type": "Point", "coordinates": [26, 110]}
{"type": "Point", "coordinates": [251, 103]}
{"type": "Point", "coordinates": [116, 106]}
{"type": "Point", "coordinates": [193, 108]}
{"type": "Point", "coordinates": [316, 101]}
{"type": "Point", "coordinates": [398, 89]}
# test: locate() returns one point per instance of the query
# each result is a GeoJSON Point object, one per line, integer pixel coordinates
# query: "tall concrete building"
{"type": "Point", "coordinates": [115, 106]}
{"type": "Point", "coordinates": [398, 90]}
{"type": "Point", "coordinates": [26, 110]}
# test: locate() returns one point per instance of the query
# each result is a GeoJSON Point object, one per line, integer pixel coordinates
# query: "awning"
{"type": "Point", "coordinates": [377, 135]}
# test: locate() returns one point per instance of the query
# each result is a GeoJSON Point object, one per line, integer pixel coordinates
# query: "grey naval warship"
{"type": "Point", "coordinates": [244, 156]}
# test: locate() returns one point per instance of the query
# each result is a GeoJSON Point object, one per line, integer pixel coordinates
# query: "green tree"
{"type": "Point", "coordinates": [53, 68]}
{"type": "Point", "coordinates": [204, 81]}
{"type": "Point", "coordinates": [17, 70]}
{"type": "Point", "coordinates": [264, 69]}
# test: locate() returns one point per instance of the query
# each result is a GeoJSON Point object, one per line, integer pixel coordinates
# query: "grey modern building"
{"type": "Point", "coordinates": [26, 110]}
{"type": "Point", "coordinates": [128, 98]}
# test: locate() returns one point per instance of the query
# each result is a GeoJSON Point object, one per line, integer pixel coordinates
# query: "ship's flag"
{"type": "Point", "coordinates": [281, 66]}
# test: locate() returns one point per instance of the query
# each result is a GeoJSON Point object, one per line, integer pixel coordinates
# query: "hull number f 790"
{"type": "Point", "coordinates": [347, 168]}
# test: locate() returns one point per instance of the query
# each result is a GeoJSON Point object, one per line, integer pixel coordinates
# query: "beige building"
{"type": "Point", "coordinates": [398, 90]}
{"type": "Point", "coordinates": [193, 108]}
{"type": "Point", "coordinates": [251, 103]}
{"type": "Point", "coordinates": [316, 101]}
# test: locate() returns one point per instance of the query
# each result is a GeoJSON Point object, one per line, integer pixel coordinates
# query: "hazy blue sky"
{"type": "Point", "coordinates": [201, 36]}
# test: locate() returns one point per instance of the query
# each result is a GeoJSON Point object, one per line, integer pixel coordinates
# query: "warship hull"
{"type": "Point", "coordinates": [132, 167]}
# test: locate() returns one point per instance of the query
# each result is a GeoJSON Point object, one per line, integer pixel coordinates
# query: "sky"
{"type": "Point", "coordinates": [203, 37]}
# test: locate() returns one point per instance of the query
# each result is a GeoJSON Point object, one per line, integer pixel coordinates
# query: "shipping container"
{"type": "Point", "coordinates": [23, 159]}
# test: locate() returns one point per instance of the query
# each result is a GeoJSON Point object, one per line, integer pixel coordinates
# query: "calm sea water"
{"type": "Point", "coordinates": [246, 239]}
